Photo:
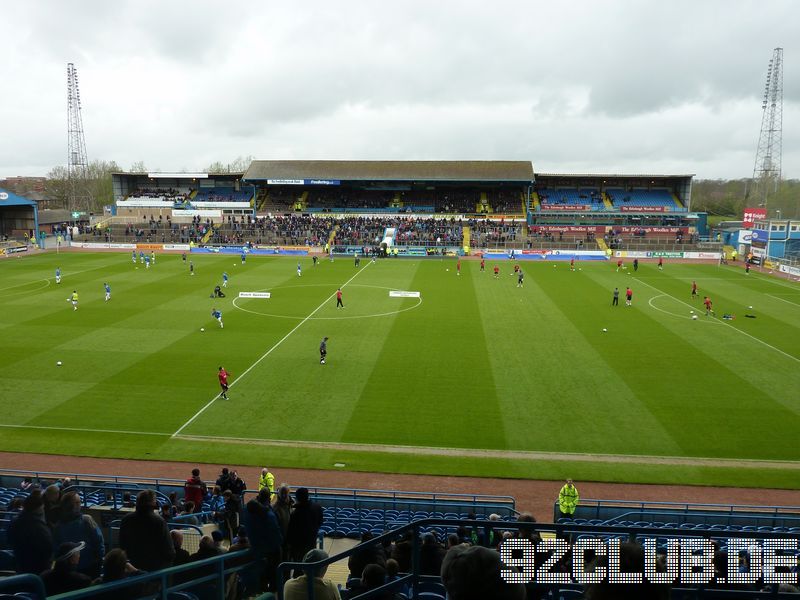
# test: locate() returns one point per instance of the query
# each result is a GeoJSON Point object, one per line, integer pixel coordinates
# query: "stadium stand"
{"type": "Point", "coordinates": [642, 198]}
{"type": "Point", "coordinates": [412, 545]}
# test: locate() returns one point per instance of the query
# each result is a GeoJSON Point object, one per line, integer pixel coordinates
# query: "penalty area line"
{"type": "Point", "coordinates": [266, 354]}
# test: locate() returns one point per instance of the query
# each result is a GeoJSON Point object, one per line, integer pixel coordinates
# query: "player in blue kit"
{"type": "Point", "coordinates": [133, 256]}
{"type": "Point", "coordinates": [58, 274]}
{"type": "Point", "coordinates": [218, 316]}
{"type": "Point", "coordinates": [108, 291]}
{"type": "Point", "coordinates": [299, 270]}
{"type": "Point", "coordinates": [224, 279]}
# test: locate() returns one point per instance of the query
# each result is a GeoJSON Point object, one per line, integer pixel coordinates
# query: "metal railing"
{"type": "Point", "coordinates": [595, 508]}
{"type": "Point", "coordinates": [414, 578]}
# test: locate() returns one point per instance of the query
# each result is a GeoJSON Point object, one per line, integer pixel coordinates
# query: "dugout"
{"type": "Point", "coordinates": [19, 217]}
{"type": "Point", "coordinates": [386, 186]}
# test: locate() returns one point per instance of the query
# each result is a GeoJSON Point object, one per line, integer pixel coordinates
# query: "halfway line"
{"type": "Point", "coordinates": [267, 353]}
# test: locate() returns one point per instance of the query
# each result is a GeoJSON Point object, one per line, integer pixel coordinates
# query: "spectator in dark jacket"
{"type": "Point", "coordinates": [370, 554]}
{"type": "Point", "coordinates": [237, 485]}
{"type": "Point", "coordinates": [144, 536]}
{"type": "Point", "coordinates": [373, 577]}
{"type": "Point", "coordinates": [224, 479]}
{"type": "Point", "coordinates": [265, 538]}
{"type": "Point", "coordinates": [206, 549]}
{"type": "Point", "coordinates": [194, 490]}
{"type": "Point", "coordinates": [64, 576]}
{"type": "Point", "coordinates": [304, 524]}
{"type": "Point", "coordinates": [30, 537]}
{"type": "Point", "coordinates": [181, 556]}
{"type": "Point", "coordinates": [115, 568]}
{"type": "Point", "coordinates": [76, 527]}
{"type": "Point", "coordinates": [52, 501]}
{"type": "Point", "coordinates": [431, 556]}
{"type": "Point", "coordinates": [283, 509]}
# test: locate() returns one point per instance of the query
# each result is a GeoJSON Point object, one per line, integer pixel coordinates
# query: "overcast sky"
{"type": "Point", "coordinates": [634, 86]}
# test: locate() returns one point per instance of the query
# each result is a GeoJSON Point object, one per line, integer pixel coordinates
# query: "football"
{"type": "Point", "coordinates": [202, 329]}
{"type": "Point", "coordinates": [694, 317]}
{"type": "Point", "coordinates": [605, 330]}
{"type": "Point", "coordinates": [58, 364]}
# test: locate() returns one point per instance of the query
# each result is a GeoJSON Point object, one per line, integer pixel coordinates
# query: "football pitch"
{"type": "Point", "coordinates": [477, 376]}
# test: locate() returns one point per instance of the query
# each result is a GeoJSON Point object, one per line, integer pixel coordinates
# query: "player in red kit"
{"type": "Point", "coordinates": [694, 289]}
{"type": "Point", "coordinates": [339, 303]}
{"type": "Point", "coordinates": [496, 272]}
{"type": "Point", "coordinates": [660, 264]}
{"type": "Point", "coordinates": [458, 267]}
{"type": "Point", "coordinates": [628, 297]}
{"type": "Point", "coordinates": [223, 382]}
{"type": "Point", "coordinates": [483, 265]}
{"type": "Point", "coordinates": [708, 303]}
{"type": "Point", "coordinates": [572, 264]}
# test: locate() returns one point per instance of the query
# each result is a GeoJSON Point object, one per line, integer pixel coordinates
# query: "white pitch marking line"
{"type": "Point", "coordinates": [81, 429]}
{"type": "Point", "coordinates": [11, 287]}
{"type": "Point", "coordinates": [666, 312]}
{"type": "Point", "coordinates": [786, 354]}
{"type": "Point", "coordinates": [267, 353]}
{"type": "Point", "coordinates": [783, 300]}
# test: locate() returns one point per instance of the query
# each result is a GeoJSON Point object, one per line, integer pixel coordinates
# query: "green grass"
{"type": "Point", "coordinates": [477, 363]}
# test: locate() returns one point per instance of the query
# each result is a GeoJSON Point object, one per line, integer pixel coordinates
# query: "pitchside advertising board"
{"type": "Point", "coordinates": [753, 214]}
{"type": "Point", "coordinates": [303, 182]}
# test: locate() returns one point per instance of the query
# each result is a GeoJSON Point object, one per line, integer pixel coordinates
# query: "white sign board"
{"type": "Point", "coordinates": [254, 294]}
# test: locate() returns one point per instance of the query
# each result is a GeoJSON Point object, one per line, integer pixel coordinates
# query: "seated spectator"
{"type": "Point", "coordinates": [217, 501]}
{"type": "Point", "coordinates": [79, 528]}
{"type": "Point", "coordinates": [64, 576]}
{"type": "Point", "coordinates": [30, 537]}
{"type": "Point", "coordinates": [373, 577]}
{"type": "Point", "coordinates": [144, 535]}
{"type": "Point", "coordinates": [631, 560]}
{"type": "Point", "coordinates": [393, 574]}
{"type": "Point", "coordinates": [324, 589]}
{"type": "Point", "coordinates": [370, 554]}
{"type": "Point", "coordinates": [187, 516]}
{"type": "Point", "coordinates": [115, 568]}
{"type": "Point", "coordinates": [26, 484]}
{"type": "Point", "coordinates": [128, 501]}
{"type": "Point", "coordinates": [166, 512]}
{"type": "Point", "coordinates": [217, 536]}
{"type": "Point", "coordinates": [473, 573]}
{"type": "Point", "coordinates": [207, 549]}
{"type": "Point", "coordinates": [241, 541]}
{"type": "Point", "coordinates": [181, 556]}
